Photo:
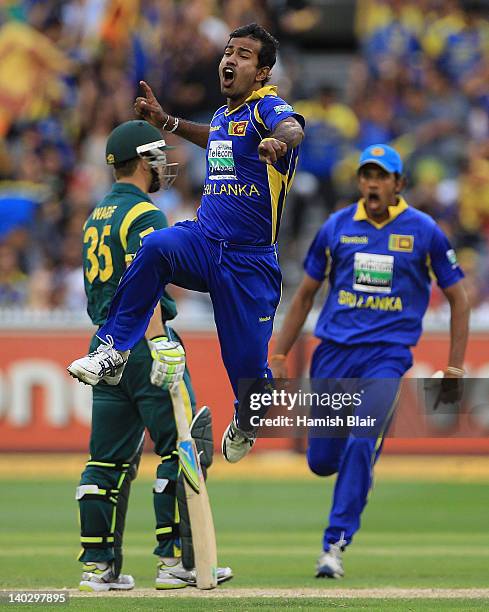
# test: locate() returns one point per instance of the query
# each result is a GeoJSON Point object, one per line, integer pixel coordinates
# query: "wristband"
{"type": "Point", "coordinates": [177, 121]}
{"type": "Point", "coordinates": [279, 356]}
{"type": "Point", "coordinates": [460, 372]}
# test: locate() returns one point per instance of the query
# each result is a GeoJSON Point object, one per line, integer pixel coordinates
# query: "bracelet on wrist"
{"type": "Point", "coordinates": [163, 127]}
{"type": "Point", "coordinates": [279, 356]}
{"type": "Point", "coordinates": [460, 372]}
{"type": "Point", "coordinates": [175, 125]}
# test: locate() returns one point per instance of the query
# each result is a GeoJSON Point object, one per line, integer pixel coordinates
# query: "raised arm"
{"type": "Point", "coordinates": [294, 320]}
{"type": "Point", "coordinates": [147, 107]}
{"type": "Point", "coordinates": [287, 135]}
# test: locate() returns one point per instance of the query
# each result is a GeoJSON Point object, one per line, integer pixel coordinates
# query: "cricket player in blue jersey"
{"type": "Point", "coordinates": [377, 254]}
{"type": "Point", "coordinates": [229, 250]}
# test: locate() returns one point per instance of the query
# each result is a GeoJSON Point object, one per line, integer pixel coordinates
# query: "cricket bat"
{"type": "Point", "coordinates": [199, 509]}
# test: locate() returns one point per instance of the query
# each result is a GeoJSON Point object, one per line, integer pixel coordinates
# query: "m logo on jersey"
{"type": "Point", "coordinates": [237, 128]}
{"type": "Point", "coordinates": [400, 243]}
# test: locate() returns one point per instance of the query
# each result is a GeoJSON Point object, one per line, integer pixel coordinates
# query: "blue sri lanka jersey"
{"type": "Point", "coordinates": [379, 274]}
{"type": "Point", "coordinates": [243, 197]}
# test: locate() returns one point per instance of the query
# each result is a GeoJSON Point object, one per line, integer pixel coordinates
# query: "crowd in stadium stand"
{"type": "Point", "coordinates": [69, 72]}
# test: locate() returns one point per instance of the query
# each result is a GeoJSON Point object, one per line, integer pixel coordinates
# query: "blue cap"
{"type": "Point", "coordinates": [384, 156]}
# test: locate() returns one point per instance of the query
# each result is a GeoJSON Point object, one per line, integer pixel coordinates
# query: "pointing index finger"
{"type": "Point", "coordinates": [148, 92]}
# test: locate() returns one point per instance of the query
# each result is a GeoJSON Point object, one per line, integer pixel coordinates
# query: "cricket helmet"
{"type": "Point", "coordinates": [140, 139]}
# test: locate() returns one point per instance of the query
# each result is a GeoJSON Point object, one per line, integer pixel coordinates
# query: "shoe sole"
{"type": "Point", "coordinates": [219, 581]}
{"type": "Point", "coordinates": [89, 378]}
{"type": "Point", "coordinates": [225, 579]}
{"type": "Point", "coordinates": [84, 376]}
{"type": "Point", "coordinates": [326, 574]}
{"type": "Point", "coordinates": [223, 444]}
{"type": "Point", "coordinates": [223, 448]}
{"type": "Point", "coordinates": [97, 587]}
{"type": "Point", "coordinates": [165, 587]}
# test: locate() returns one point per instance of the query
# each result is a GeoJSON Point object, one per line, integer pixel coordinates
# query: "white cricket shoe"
{"type": "Point", "coordinates": [236, 443]}
{"type": "Point", "coordinates": [330, 564]}
{"type": "Point", "coordinates": [166, 580]}
{"type": "Point", "coordinates": [106, 363]}
{"type": "Point", "coordinates": [100, 577]}
{"type": "Point", "coordinates": [176, 576]}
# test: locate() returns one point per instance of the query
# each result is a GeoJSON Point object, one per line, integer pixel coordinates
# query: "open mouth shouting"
{"type": "Point", "coordinates": [228, 75]}
{"type": "Point", "coordinates": [374, 203]}
{"type": "Point", "coordinates": [373, 198]}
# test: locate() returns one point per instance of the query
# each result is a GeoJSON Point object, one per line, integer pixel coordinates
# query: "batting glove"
{"type": "Point", "coordinates": [168, 362]}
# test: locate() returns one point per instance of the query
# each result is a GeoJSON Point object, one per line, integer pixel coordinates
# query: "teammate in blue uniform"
{"type": "Point", "coordinates": [377, 254]}
{"type": "Point", "coordinates": [229, 250]}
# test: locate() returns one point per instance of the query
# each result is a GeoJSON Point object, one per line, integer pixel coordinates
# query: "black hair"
{"type": "Point", "coordinates": [269, 44]}
{"type": "Point", "coordinates": [397, 175]}
{"type": "Point", "coordinates": [126, 168]}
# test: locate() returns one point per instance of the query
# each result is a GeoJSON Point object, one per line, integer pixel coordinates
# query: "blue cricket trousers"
{"type": "Point", "coordinates": [244, 283]}
{"type": "Point", "coordinates": [353, 457]}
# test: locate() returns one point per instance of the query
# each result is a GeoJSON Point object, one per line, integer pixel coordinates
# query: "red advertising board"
{"type": "Point", "coordinates": [42, 408]}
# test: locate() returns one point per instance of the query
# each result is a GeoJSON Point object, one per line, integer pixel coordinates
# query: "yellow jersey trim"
{"type": "Point", "coordinates": [394, 212]}
{"type": "Point", "coordinates": [329, 262]}
{"type": "Point", "coordinates": [431, 272]}
{"type": "Point", "coordinates": [279, 186]}
{"type": "Point", "coordinates": [268, 90]}
{"type": "Point", "coordinates": [257, 116]}
{"type": "Point", "coordinates": [276, 183]}
{"type": "Point", "coordinates": [131, 216]}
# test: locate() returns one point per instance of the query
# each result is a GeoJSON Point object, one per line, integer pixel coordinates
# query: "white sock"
{"type": "Point", "coordinates": [101, 565]}
{"type": "Point", "coordinates": [170, 561]}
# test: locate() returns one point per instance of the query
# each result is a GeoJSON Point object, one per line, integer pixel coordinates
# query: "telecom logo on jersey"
{"type": "Point", "coordinates": [221, 161]}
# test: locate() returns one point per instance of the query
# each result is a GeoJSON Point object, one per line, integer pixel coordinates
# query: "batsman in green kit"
{"type": "Point", "coordinates": [122, 409]}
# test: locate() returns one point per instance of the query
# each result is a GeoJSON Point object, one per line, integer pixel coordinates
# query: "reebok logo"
{"type": "Point", "coordinates": [354, 239]}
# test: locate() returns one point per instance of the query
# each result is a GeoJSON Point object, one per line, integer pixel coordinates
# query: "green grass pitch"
{"type": "Point", "coordinates": [415, 535]}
